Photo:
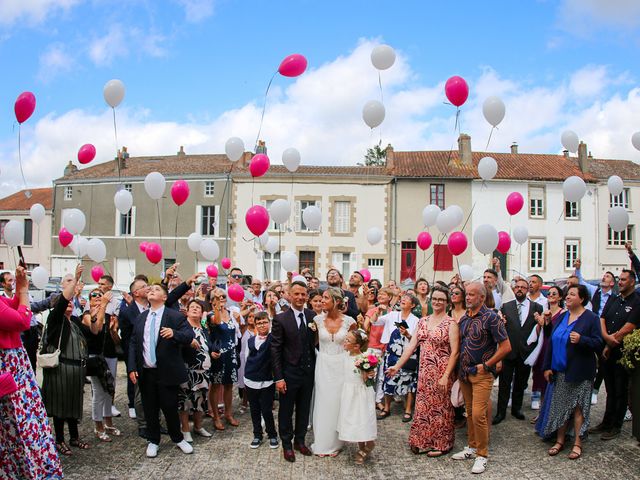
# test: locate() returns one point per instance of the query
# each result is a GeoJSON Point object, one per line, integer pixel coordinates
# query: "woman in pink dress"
{"type": "Point", "coordinates": [27, 449]}
{"type": "Point", "coordinates": [432, 431]}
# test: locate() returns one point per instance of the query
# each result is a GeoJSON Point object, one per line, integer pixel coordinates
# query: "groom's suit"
{"type": "Point", "coordinates": [294, 358]}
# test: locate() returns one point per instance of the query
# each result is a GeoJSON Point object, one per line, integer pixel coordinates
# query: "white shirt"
{"type": "Point", "coordinates": [250, 383]}
{"type": "Point", "coordinates": [142, 308]}
{"type": "Point", "coordinates": [390, 320]}
{"type": "Point", "coordinates": [541, 300]}
{"type": "Point", "coordinates": [524, 310]}
{"type": "Point", "coordinates": [146, 341]}
{"type": "Point", "coordinates": [296, 313]}
{"type": "Point", "coordinates": [497, 298]}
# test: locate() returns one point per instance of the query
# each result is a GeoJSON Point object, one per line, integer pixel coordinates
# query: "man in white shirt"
{"type": "Point", "coordinates": [535, 295]}
{"type": "Point", "coordinates": [601, 294]}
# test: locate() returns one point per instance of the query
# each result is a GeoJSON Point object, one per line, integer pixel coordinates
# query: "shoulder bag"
{"type": "Point", "coordinates": [49, 360]}
{"type": "Point", "coordinates": [97, 367]}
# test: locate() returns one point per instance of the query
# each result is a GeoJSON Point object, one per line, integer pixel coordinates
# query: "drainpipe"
{"type": "Point", "coordinates": [394, 250]}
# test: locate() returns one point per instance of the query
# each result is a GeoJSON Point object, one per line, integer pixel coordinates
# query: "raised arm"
{"type": "Point", "coordinates": [17, 317]}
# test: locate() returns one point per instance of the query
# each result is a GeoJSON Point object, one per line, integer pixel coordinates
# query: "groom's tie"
{"type": "Point", "coordinates": [302, 326]}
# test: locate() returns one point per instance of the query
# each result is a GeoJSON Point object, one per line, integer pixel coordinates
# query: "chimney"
{"type": "Point", "coordinates": [70, 169]}
{"type": "Point", "coordinates": [514, 148]}
{"type": "Point", "coordinates": [121, 159]}
{"type": "Point", "coordinates": [390, 163]}
{"type": "Point", "coordinates": [583, 159]}
{"type": "Point", "coordinates": [181, 152]}
{"type": "Point", "coordinates": [464, 149]}
{"type": "Point", "coordinates": [565, 153]}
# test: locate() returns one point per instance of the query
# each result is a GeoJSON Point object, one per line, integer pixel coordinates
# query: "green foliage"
{"type": "Point", "coordinates": [631, 350]}
{"type": "Point", "coordinates": [375, 157]}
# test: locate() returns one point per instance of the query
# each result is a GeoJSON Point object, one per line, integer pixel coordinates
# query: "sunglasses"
{"type": "Point", "coordinates": [221, 297]}
{"type": "Point", "coordinates": [236, 276]}
{"type": "Point", "coordinates": [95, 295]}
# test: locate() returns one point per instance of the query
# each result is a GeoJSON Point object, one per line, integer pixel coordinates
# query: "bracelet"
{"type": "Point", "coordinates": [489, 369]}
{"type": "Point", "coordinates": [94, 319]}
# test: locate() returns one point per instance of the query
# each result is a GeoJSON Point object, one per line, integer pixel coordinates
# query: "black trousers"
{"type": "Point", "coordinates": [131, 389]}
{"type": "Point", "coordinates": [156, 397]}
{"type": "Point", "coordinates": [616, 381]}
{"type": "Point", "coordinates": [516, 372]}
{"type": "Point", "coordinates": [599, 374]}
{"type": "Point", "coordinates": [298, 397]}
{"type": "Point", "coordinates": [58, 426]}
{"type": "Point", "coordinates": [261, 406]}
{"type": "Point", "coordinates": [30, 339]}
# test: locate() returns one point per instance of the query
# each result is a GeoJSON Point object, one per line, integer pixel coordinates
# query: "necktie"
{"type": "Point", "coordinates": [520, 313]}
{"type": "Point", "coordinates": [152, 339]}
{"type": "Point", "coordinates": [302, 326]}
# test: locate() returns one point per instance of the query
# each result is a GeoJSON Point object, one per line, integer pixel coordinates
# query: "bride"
{"type": "Point", "coordinates": [333, 327]}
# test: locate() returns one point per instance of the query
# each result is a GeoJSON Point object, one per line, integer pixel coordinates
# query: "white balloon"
{"type": "Point", "coordinates": [312, 217]}
{"type": "Point", "coordinates": [291, 159]}
{"type": "Point", "coordinates": [485, 238]}
{"type": "Point", "coordinates": [487, 168]}
{"type": "Point", "coordinates": [40, 277]}
{"type": "Point", "coordinates": [618, 219]}
{"type": "Point", "coordinates": [272, 245]}
{"type": "Point", "coordinates": [96, 250]}
{"type": "Point", "coordinates": [209, 249]}
{"type": "Point", "coordinates": [123, 201]}
{"type": "Point", "coordinates": [263, 239]}
{"type": "Point", "coordinates": [37, 212]}
{"type": "Point", "coordinates": [280, 211]}
{"type": "Point", "coordinates": [615, 184]}
{"type": "Point", "coordinates": [113, 92]}
{"type": "Point", "coordinates": [456, 214]}
{"type": "Point", "coordinates": [154, 184]}
{"type": "Point", "coordinates": [74, 220]}
{"type": "Point", "coordinates": [635, 140]}
{"type": "Point", "coordinates": [520, 234]}
{"type": "Point", "coordinates": [466, 273]}
{"type": "Point", "coordinates": [383, 57]}
{"type": "Point", "coordinates": [234, 148]}
{"type": "Point", "coordinates": [193, 241]}
{"type": "Point", "coordinates": [373, 113]}
{"type": "Point", "coordinates": [14, 233]}
{"type": "Point", "coordinates": [570, 140]}
{"type": "Point", "coordinates": [493, 110]}
{"type": "Point", "coordinates": [79, 245]}
{"type": "Point", "coordinates": [574, 188]}
{"type": "Point", "coordinates": [289, 261]}
{"type": "Point", "coordinates": [446, 221]}
{"type": "Point", "coordinates": [430, 215]}
{"type": "Point", "coordinates": [374, 235]}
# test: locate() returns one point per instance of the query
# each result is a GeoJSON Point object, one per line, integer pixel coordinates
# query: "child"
{"type": "Point", "coordinates": [258, 381]}
{"type": "Point", "coordinates": [357, 417]}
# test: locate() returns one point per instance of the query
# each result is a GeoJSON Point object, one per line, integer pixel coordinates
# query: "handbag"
{"type": "Point", "coordinates": [457, 400]}
{"type": "Point", "coordinates": [49, 360]}
{"type": "Point", "coordinates": [97, 367]}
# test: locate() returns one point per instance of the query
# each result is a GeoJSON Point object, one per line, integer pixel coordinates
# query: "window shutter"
{"type": "Point", "coordinates": [217, 225]}
{"type": "Point", "coordinates": [298, 217]}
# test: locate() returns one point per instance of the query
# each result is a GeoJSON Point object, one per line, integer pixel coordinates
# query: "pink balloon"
{"type": "Point", "coordinates": [293, 65]}
{"type": "Point", "coordinates": [366, 275]}
{"type": "Point", "coordinates": [235, 292]}
{"type": "Point", "coordinates": [457, 243]}
{"type": "Point", "coordinates": [257, 219]}
{"type": "Point", "coordinates": [96, 272]}
{"type": "Point", "coordinates": [212, 270]}
{"type": "Point", "coordinates": [457, 90]}
{"type": "Point", "coordinates": [514, 203]}
{"type": "Point", "coordinates": [24, 106]}
{"type": "Point", "coordinates": [259, 165]}
{"type": "Point", "coordinates": [143, 246]}
{"type": "Point", "coordinates": [504, 242]}
{"type": "Point", "coordinates": [65, 237]}
{"type": "Point", "coordinates": [153, 252]}
{"type": "Point", "coordinates": [424, 240]}
{"type": "Point", "coordinates": [226, 263]}
{"type": "Point", "coordinates": [86, 153]}
{"type": "Point", "coordinates": [180, 192]}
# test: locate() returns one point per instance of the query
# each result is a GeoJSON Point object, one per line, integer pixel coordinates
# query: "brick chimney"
{"type": "Point", "coordinates": [181, 151]}
{"type": "Point", "coordinates": [583, 159]}
{"type": "Point", "coordinates": [70, 169]}
{"type": "Point", "coordinates": [390, 163]}
{"type": "Point", "coordinates": [565, 153]}
{"type": "Point", "coordinates": [514, 148]}
{"type": "Point", "coordinates": [464, 149]}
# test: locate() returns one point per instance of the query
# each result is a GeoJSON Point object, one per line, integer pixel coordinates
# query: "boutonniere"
{"type": "Point", "coordinates": [313, 327]}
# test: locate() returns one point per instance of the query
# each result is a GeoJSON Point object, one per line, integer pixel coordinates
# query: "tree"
{"type": "Point", "coordinates": [375, 157]}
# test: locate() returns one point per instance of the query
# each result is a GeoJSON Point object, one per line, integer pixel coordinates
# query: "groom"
{"type": "Point", "coordinates": [294, 358]}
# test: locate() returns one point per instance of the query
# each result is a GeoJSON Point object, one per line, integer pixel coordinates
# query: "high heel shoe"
{"type": "Point", "coordinates": [102, 436]}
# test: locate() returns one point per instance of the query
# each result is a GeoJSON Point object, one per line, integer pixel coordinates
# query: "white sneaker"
{"type": "Point", "coordinates": [467, 453]}
{"type": "Point", "coordinates": [187, 436]}
{"type": "Point", "coordinates": [152, 450]}
{"type": "Point", "coordinates": [132, 413]}
{"type": "Point", "coordinates": [203, 433]}
{"type": "Point", "coordinates": [594, 397]}
{"type": "Point", "coordinates": [184, 446]}
{"type": "Point", "coordinates": [115, 412]}
{"type": "Point", "coordinates": [480, 465]}
{"type": "Point", "coordinates": [535, 404]}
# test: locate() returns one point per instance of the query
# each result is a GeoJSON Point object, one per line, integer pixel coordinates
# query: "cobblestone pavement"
{"type": "Point", "coordinates": [515, 452]}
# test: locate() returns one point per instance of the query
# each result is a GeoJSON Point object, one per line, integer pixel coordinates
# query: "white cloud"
{"type": "Point", "coordinates": [32, 11]}
{"type": "Point", "coordinates": [116, 43]}
{"type": "Point", "coordinates": [320, 114]}
{"type": "Point", "coordinates": [54, 61]}
{"type": "Point", "coordinates": [581, 17]}
{"type": "Point", "coordinates": [197, 10]}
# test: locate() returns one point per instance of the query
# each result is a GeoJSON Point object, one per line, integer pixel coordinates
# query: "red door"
{"type": "Point", "coordinates": [408, 261]}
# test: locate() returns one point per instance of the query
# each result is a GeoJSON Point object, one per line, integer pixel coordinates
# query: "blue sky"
{"type": "Point", "coordinates": [196, 70]}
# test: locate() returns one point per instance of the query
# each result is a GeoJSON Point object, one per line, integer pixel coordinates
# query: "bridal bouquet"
{"type": "Point", "coordinates": [366, 364]}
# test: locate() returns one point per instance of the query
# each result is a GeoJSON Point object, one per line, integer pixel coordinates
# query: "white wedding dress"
{"type": "Point", "coordinates": [329, 378]}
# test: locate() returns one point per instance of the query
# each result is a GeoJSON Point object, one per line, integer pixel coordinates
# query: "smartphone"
{"type": "Point", "coordinates": [22, 263]}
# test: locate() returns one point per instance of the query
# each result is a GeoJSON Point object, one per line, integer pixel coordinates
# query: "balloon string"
{"type": "Point", "coordinates": [224, 192]}
{"type": "Point", "coordinates": [115, 132]}
{"type": "Point", "coordinates": [159, 227]}
{"type": "Point", "coordinates": [457, 125]}
{"type": "Point", "coordinates": [24, 180]}
{"type": "Point", "coordinates": [175, 234]}
{"type": "Point", "coordinates": [264, 108]}
{"type": "Point", "coordinates": [486, 149]}
{"type": "Point", "coordinates": [435, 260]}
{"type": "Point", "coordinates": [468, 216]}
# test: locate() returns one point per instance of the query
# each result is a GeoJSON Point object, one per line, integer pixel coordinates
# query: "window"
{"type": "Point", "coordinates": [375, 262]}
{"type": "Point", "coordinates": [571, 210]}
{"type": "Point", "coordinates": [271, 265]}
{"type": "Point", "coordinates": [125, 223]}
{"type": "Point", "coordinates": [341, 217]}
{"type": "Point", "coordinates": [302, 204]}
{"type": "Point", "coordinates": [209, 189]}
{"type": "Point", "coordinates": [618, 239]}
{"type": "Point", "coordinates": [536, 202]}
{"type": "Point", "coordinates": [437, 195]}
{"type": "Point", "coordinates": [68, 193]}
{"type": "Point", "coordinates": [208, 220]}
{"type": "Point", "coordinates": [571, 253]}
{"type": "Point", "coordinates": [536, 254]}
{"type": "Point", "coordinates": [3, 223]}
{"type": "Point", "coordinates": [621, 200]}
{"type": "Point", "coordinates": [272, 225]}
{"type": "Point", "coordinates": [407, 260]}
{"type": "Point", "coordinates": [342, 261]}
{"type": "Point", "coordinates": [307, 259]}
{"type": "Point", "coordinates": [442, 259]}
{"type": "Point", "coordinates": [28, 231]}
{"type": "Point", "coordinates": [128, 187]}
{"type": "Point", "coordinates": [31, 266]}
